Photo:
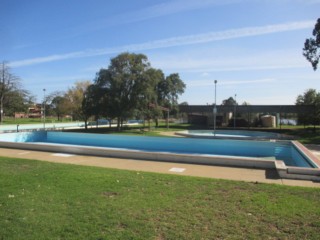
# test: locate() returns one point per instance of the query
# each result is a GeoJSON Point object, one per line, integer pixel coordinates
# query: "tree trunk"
{"type": "Point", "coordinates": [86, 123]}
{"type": "Point", "coordinates": [1, 111]}
{"type": "Point", "coordinates": [118, 123]}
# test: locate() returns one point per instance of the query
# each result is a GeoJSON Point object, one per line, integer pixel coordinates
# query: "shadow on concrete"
{"type": "Point", "coordinates": [272, 174]}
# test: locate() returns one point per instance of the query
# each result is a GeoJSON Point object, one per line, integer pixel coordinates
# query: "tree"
{"type": "Point", "coordinates": [8, 83]}
{"type": "Point", "coordinates": [91, 103]}
{"type": "Point", "coordinates": [17, 101]}
{"type": "Point", "coordinates": [74, 98]}
{"type": "Point", "coordinates": [131, 87]}
{"type": "Point", "coordinates": [310, 97]}
{"type": "Point", "coordinates": [229, 102]}
{"type": "Point", "coordinates": [150, 105]}
{"type": "Point", "coordinates": [169, 90]}
{"type": "Point", "coordinates": [311, 49]}
{"type": "Point", "coordinates": [123, 83]}
{"type": "Point", "coordinates": [58, 104]}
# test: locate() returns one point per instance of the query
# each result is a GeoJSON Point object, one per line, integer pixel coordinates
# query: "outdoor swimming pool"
{"type": "Point", "coordinates": [257, 154]}
{"type": "Point", "coordinates": [230, 134]}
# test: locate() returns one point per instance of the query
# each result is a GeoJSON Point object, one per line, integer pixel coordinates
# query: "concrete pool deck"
{"type": "Point", "coordinates": [217, 172]}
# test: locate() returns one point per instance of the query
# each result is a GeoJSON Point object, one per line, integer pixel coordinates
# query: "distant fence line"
{"type": "Point", "coordinates": [248, 108]}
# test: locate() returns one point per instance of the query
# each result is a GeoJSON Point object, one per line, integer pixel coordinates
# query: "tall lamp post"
{"type": "Point", "coordinates": [44, 109]}
{"type": "Point", "coordinates": [235, 109]}
{"type": "Point", "coordinates": [215, 108]}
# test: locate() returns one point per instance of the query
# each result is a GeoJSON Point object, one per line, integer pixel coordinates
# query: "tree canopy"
{"type": "Point", "coordinates": [229, 102]}
{"type": "Point", "coordinates": [68, 103]}
{"type": "Point", "coordinates": [129, 87]}
{"type": "Point", "coordinates": [12, 97]}
{"type": "Point", "coordinates": [309, 97]}
{"type": "Point", "coordinates": [311, 49]}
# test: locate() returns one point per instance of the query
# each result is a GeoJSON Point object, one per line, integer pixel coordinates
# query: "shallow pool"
{"type": "Point", "coordinates": [230, 134]}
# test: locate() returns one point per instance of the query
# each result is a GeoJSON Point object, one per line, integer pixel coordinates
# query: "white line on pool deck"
{"type": "Point", "coordinates": [217, 172]}
{"type": "Point", "coordinates": [23, 153]}
{"type": "Point", "coordinates": [178, 170]}
{"type": "Point", "coordinates": [62, 155]}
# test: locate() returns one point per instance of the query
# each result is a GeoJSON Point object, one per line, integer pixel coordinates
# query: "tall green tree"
{"type": "Point", "coordinates": [59, 105]}
{"type": "Point", "coordinates": [169, 90]}
{"type": "Point", "coordinates": [17, 101]}
{"type": "Point", "coordinates": [124, 82]}
{"type": "Point", "coordinates": [309, 97]}
{"type": "Point", "coordinates": [311, 49]}
{"type": "Point", "coordinates": [130, 87]}
{"type": "Point", "coordinates": [150, 104]}
{"type": "Point", "coordinates": [93, 104]}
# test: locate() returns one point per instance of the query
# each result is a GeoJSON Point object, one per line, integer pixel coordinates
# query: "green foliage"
{"type": "Point", "coordinates": [56, 105]}
{"type": "Point", "coordinates": [311, 49]}
{"type": "Point", "coordinates": [310, 97]}
{"type": "Point", "coordinates": [41, 200]}
{"type": "Point", "coordinates": [229, 102]}
{"type": "Point", "coordinates": [169, 90]}
{"type": "Point", "coordinates": [129, 87]}
{"type": "Point", "coordinates": [16, 101]}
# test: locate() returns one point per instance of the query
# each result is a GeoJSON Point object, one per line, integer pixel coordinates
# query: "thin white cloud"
{"type": "Point", "coordinates": [174, 42]}
{"type": "Point", "coordinates": [154, 11]}
{"type": "Point", "coordinates": [247, 68]}
{"type": "Point", "coordinates": [176, 6]}
{"type": "Point", "coordinates": [228, 60]}
{"type": "Point", "coordinates": [203, 83]}
{"type": "Point", "coordinates": [168, 8]}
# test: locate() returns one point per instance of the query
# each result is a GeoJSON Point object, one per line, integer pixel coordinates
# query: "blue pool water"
{"type": "Point", "coordinates": [281, 150]}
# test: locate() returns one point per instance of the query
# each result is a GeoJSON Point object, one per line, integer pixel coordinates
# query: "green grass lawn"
{"type": "Point", "coordinates": [11, 120]}
{"type": "Point", "coordinates": [40, 200]}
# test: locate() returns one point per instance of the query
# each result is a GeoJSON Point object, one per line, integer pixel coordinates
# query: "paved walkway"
{"type": "Point", "coordinates": [239, 174]}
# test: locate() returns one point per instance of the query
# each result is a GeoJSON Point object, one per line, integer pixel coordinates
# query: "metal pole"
{"type": "Point", "coordinates": [215, 108]}
{"type": "Point", "coordinates": [44, 109]}
{"type": "Point", "coordinates": [235, 105]}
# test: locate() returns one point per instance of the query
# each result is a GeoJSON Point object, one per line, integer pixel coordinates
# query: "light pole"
{"type": "Point", "coordinates": [44, 109]}
{"type": "Point", "coordinates": [235, 108]}
{"type": "Point", "coordinates": [215, 108]}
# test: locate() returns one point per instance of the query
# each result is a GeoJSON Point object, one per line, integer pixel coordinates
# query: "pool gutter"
{"type": "Point", "coordinates": [284, 171]}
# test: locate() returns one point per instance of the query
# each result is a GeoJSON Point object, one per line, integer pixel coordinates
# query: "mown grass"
{"type": "Point", "coordinates": [41, 200]}
{"type": "Point", "coordinates": [12, 120]}
{"type": "Point", "coordinates": [307, 135]}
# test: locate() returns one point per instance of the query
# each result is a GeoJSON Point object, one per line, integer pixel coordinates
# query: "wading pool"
{"type": "Point", "coordinates": [288, 157]}
{"type": "Point", "coordinates": [230, 134]}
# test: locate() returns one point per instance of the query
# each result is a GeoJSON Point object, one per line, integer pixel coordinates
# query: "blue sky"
{"type": "Point", "coordinates": [252, 47]}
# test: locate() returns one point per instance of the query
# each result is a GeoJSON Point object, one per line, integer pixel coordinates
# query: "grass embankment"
{"type": "Point", "coordinates": [306, 136]}
{"type": "Point", "coordinates": [41, 200]}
